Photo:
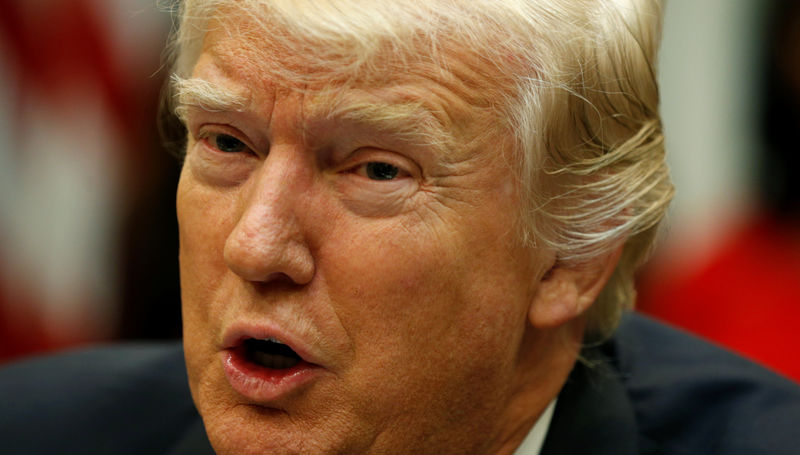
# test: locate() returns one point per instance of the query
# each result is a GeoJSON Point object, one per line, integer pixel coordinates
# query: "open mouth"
{"type": "Point", "coordinates": [264, 368]}
{"type": "Point", "coordinates": [270, 353]}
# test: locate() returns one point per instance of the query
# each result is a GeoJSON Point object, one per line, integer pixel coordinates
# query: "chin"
{"type": "Point", "coordinates": [253, 430]}
{"type": "Point", "coordinates": [301, 425]}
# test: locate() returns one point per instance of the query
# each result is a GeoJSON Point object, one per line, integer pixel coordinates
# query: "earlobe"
{"type": "Point", "coordinates": [566, 291]}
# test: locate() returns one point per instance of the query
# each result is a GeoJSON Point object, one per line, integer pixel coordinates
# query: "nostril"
{"type": "Point", "coordinates": [278, 277]}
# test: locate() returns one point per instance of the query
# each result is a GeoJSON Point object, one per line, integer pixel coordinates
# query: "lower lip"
{"type": "Point", "coordinates": [264, 385]}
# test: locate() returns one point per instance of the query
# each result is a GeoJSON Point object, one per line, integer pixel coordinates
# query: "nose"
{"type": "Point", "coordinates": [268, 241]}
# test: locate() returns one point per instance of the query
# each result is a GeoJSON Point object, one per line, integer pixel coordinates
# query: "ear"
{"type": "Point", "coordinates": [567, 291]}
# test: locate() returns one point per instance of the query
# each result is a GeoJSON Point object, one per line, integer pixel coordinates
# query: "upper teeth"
{"type": "Point", "coordinates": [274, 340]}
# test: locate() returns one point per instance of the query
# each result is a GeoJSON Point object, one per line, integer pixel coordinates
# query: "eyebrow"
{"type": "Point", "coordinates": [407, 121]}
{"type": "Point", "coordinates": [207, 96]}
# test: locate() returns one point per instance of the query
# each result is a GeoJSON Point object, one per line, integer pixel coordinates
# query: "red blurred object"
{"type": "Point", "coordinates": [65, 55]}
{"type": "Point", "coordinates": [746, 297]}
{"type": "Point", "coordinates": [64, 44]}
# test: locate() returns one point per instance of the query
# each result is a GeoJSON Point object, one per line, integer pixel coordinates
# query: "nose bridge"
{"type": "Point", "coordinates": [268, 240]}
{"type": "Point", "coordinates": [275, 186]}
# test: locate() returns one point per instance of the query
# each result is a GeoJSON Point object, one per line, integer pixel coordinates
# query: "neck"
{"type": "Point", "coordinates": [545, 361]}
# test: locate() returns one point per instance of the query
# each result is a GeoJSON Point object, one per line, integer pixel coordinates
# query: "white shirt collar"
{"type": "Point", "coordinates": [532, 444]}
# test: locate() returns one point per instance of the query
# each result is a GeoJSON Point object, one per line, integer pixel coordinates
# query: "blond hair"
{"type": "Point", "coordinates": [572, 82]}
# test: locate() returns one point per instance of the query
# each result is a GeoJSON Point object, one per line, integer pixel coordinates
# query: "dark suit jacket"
{"type": "Point", "coordinates": [650, 390]}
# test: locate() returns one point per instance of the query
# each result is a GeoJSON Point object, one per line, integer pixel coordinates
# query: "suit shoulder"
{"type": "Point", "coordinates": [112, 399]}
{"type": "Point", "coordinates": [691, 396]}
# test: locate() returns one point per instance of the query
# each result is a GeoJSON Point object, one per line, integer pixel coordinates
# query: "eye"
{"type": "Point", "coordinates": [227, 143]}
{"type": "Point", "coordinates": [376, 170]}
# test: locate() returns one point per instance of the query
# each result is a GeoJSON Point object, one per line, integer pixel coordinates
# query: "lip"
{"type": "Point", "coordinates": [265, 385]}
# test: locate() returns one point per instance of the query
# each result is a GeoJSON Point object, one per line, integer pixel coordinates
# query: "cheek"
{"type": "Point", "coordinates": [205, 217]}
{"type": "Point", "coordinates": [417, 297]}
{"type": "Point", "coordinates": [203, 226]}
{"type": "Point", "coordinates": [392, 273]}
{"type": "Point", "coordinates": [412, 309]}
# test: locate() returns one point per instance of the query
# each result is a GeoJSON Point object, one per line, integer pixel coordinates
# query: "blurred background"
{"type": "Point", "coordinates": [88, 242]}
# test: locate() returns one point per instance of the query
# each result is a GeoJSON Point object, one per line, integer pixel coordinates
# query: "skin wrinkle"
{"type": "Point", "coordinates": [399, 105]}
{"type": "Point", "coordinates": [410, 122]}
{"type": "Point", "coordinates": [540, 41]}
{"type": "Point", "coordinates": [458, 78]}
{"type": "Point", "coordinates": [452, 71]}
{"type": "Point", "coordinates": [224, 94]}
{"type": "Point", "coordinates": [385, 116]}
{"type": "Point", "coordinates": [425, 353]}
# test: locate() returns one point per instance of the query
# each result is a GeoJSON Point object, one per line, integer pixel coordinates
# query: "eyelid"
{"type": "Point", "coordinates": [205, 132]}
{"type": "Point", "coordinates": [360, 158]}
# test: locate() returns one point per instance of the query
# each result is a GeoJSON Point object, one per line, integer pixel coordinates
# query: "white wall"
{"type": "Point", "coordinates": [709, 76]}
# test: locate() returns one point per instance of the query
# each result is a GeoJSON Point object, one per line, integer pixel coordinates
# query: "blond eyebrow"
{"type": "Point", "coordinates": [205, 95]}
{"type": "Point", "coordinates": [408, 121]}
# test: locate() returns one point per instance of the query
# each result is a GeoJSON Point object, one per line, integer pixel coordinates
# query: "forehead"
{"type": "Point", "coordinates": [448, 95]}
{"type": "Point", "coordinates": [342, 39]}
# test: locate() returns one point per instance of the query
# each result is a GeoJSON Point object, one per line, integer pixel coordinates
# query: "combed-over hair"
{"type": "Point", "coordinates": [571, 82]}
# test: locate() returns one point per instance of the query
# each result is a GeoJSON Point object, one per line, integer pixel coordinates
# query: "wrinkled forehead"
{"type": "Point", "coordinates": [425, 81]}
{"type": "Point", "coordinates": [351, 42]}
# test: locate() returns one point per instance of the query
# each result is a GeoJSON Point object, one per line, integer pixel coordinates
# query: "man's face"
{"type": "Point", "coordinates": [391, 267]}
